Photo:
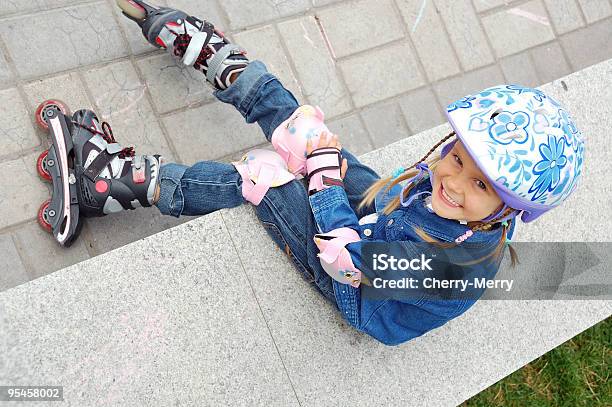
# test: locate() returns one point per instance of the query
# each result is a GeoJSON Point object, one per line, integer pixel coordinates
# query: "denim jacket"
{"type": "Point", "coordinates": [393, 321]}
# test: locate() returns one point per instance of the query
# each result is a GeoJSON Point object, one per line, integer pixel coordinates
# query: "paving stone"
{"type": "Point", "coordinates": [264, 44]}
{"type": "Point", "coordinates": [368, 79]}
{"type": "Point", "coordinates": [63, 39]}
{"type": "Point", "coordinates": [68, 88]}
{"type": "Point", "coordinates": [210, 132]}
{"type": "Point", "coordinates": [355, 26]}
{"type": "Point", "coordinates": [465, 33]}
{"type": "Point", "coordinates": [16, 124]}
{"type": "Point", "coordinates": [385, 123]}
{"type": "Point", "coordinates": [13, 6]}
{"type": "Point", "coordinates": [526, 25]}
{"type": "Point", "coordinates": [519, 69]}
{"type": "Point", "coordinates": [12, 270]}
{"type": "Point", "coordinates": [319, 3]}
{"type": "Point", "coordinates": [595, 10]}
{"type": "Point", "coordinates": [450, 90]}
{"type": "Point", "coordinates": [550, 64]}
{"type": "Point", "coordinates": [244, 13]}
{"type": "Point", "coordinates": [5, 73]}
{"type": "Point", "coordinates": [42, 254]}
{"type": "Point", "coordinates": [203, 9]}
{"type": "Point", "coordinates": [589, 45]}
{"type": "Point", "coordinates": [421, 110]}
{"type": "Point", "coordinates": [22, 190]}
{"type": "Point", "coordinates": [565, 15]}
{"type": "Point", "coordinates": [316, 70]}
{"type": "Point", "coordinates": [353, 136]}
{"type": "Point", "coordinates": [173, 85]}
{"type": "Point", "coordinates": [123, 103]}
{"type": "Point", "coordinates": [431, 42]}
{"type": "Point", "coordinates": [484, 5]}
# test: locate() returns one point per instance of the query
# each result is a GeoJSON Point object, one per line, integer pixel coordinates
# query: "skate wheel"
{"type": "Point", "coordinates": [49, 104]}
{"type": "Point", "coordinates": [41, 166]}
{"type": "Point", "coordinates": [132, 9]}
{"type": "Point", "coordinates": [43, 216]}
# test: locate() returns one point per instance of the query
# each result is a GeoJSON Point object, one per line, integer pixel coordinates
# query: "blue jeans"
{"type": "Point", "coordinates": [285, 211]}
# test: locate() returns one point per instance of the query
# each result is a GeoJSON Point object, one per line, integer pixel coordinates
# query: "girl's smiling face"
{"type": "Point", "coordinates": [460, 190]}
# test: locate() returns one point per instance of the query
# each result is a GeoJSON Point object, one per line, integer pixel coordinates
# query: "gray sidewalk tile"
{"type": "Point", "coordinates": [245, 13]}
{"type": "Point", "coordinates": [421, 110]}
{"type": "Point", "coordinates": [173, 85]}
{"type": "Point", "coordinates": [465, 33]}
{"type": "Point", "coordinates": [6, 76]}
{"type": "Point", "coordinates": [264, 44]}
{"type": "Point", "coordinates": [430, 40]}
{"type": "Point", "coordinates": [316, 70]}
{"type": "Point", "coordinates": [123, 104]}
{"type": "Point", "coordinates": [202, 9]}
{"type": "Point", "coordinates": [68, 88]}
{"type": "Point", "coordinates": [565, 15]}
{"type": "Point", "coordinates": [368, 79]}
{"type": "Point", "coordinates": [319, 3]}
{"type": "Point", "coordinates": [43, 255]}
{"type": "Point", "coordinates": [210, 132]}
{"type": "Point", "coordinates": [15, 6]}
{"type": "Point", "coordinates": [190, 332]}
{"type": "Point", "coordinates": [589, 45]}
{"type": "Point", "coordinates": [549, 62]}
{"type": "Point", "coordinates": [455, 88]}
{"type": "Point", "coordinates": [12, 270]}
{"type": "Point", "coordinates": [353, 136]}
{"type": "Point", "coordinates": [519, 69]}
{"type": "Point", "coordinates": [484, 5]}
{"type": "Point", "coordinates": [63, 39]}
{"type": "Point", "coordinates": [595, 10]}
{"type": "Point", "coordinates": [22, 190]}
{"type": "Point", "coordinates": [16, 124]}
{"type": "Point", "coordinates": [356, 26]}
{"type": "Point", "coordinates": [385, 123]}
{"type": "Point", "coordinates": [518, 28]}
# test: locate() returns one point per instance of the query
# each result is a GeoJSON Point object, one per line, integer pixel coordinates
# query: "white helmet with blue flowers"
{"type": "Point", "coordinates": [525, 143]}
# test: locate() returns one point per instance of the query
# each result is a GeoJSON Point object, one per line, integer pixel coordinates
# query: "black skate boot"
{"type": "Point", "coordinates": [92, 174]}
{"type": "Point", "coordinates": [195, 41]}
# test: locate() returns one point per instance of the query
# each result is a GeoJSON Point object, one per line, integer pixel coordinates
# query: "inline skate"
{"type": "Point", "coordinates": [92, 175]}
{"type": "Point", "coordinates": [195, 41]}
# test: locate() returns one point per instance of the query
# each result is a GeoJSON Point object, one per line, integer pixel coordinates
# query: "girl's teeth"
{"type": "Point", "coordinates": [449, 198]}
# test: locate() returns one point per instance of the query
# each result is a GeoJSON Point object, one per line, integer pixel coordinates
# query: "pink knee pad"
{"type": "Point", "coordinates": [261, 169]}
{"type": "Point", "coordinates": [290, 137]}
{"type": "Point", "coordinates": [335, 259]}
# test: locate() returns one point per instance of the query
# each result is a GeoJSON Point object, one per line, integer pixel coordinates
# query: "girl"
{"type": "Point", "coordinates": [513, 151]}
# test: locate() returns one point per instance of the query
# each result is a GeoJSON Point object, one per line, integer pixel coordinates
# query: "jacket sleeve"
{"type": "Point", "coordinates": [331, 210]}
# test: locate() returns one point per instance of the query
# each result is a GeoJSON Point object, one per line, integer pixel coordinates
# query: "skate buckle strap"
{"type": "Point", "coordinates": [138, 170]}
{"type": "Point", "coordinates": [219, 57]}
{"type": "Point", "coordinates": [198, 41]}
{"type": "Point", "coordinates": [101, 161]}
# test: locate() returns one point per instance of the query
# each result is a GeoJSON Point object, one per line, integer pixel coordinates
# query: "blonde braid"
{"type": "Point", "coordinates": [432, 150]}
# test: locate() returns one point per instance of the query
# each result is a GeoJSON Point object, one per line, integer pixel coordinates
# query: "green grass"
{"type": "Point", "coordinates": [576, 373]}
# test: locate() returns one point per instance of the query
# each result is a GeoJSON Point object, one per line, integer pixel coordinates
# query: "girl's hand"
{"type": "Point", "coordinates": [329, 140]}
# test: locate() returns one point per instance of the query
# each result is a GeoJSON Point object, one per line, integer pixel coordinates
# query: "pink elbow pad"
{"type": "Point", "coordinates": [335, 258]}
{"type": "Point", "coordinates": [261, 169]}
{"type": "Point", "coordinates": [290, 137]}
